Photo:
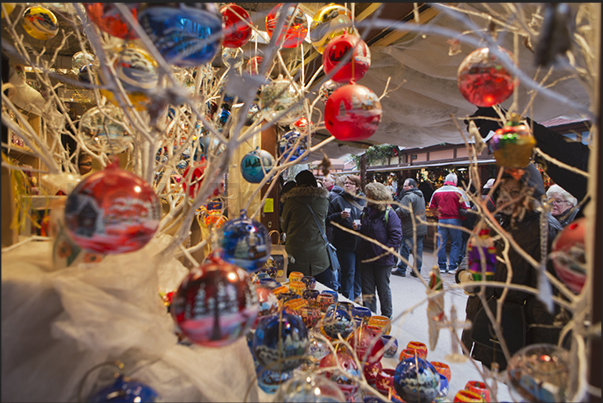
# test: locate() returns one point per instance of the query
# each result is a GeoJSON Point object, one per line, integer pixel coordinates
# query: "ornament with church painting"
{"type": "Point", "coordinates": [330, 21]}
{"type": "Point", "coordinates": [327, 88]}
{"type": "Point", "coordinates": [109, 19]}
{"type": "Point", "coordinates": [256, 164]}
{"type": "Point", "coordinates": [276, 97]}
{"type": "Point", "coordinates": [280, 341]}
{"type": "Point", "coordinates": [352, 113]}
{"type": "Point", "coordinates": [112, 211]}
{"type": "Point", "coordinates": [237, 26]}
{"type": "Point", "coordinates": [215, 304]}
{"type": "Point", "coordinates": [295, 27]}
{"type": "Point", "coordinates": [245, 242]}
{"type": "Point", "coordinates": [357, 65]}
{"type": "Point", "coordinates": [292, 145]}
{"type": "Point", "coordinates": [483, 80]}
{"type": "Point", "coordinates": [416, 380]}
{"type": "Point", "coordinates": [103, 129]}
{"type": "Point", "coordinates": [569, 257]}
{"type": "Point", "coordinates": [513, 144]}
{"type": "Point", "coordinates": [186, 34]}
{"type": "Point", "coordinates": [40, 23]}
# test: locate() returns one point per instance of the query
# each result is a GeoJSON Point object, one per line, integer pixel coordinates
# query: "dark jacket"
{"type": "Point", "coordinates": [413, 197]}
{"type": "Point", "coordinates": [373, 225]}
{"type": "Point", "coordinates": [342, 239]}
{"type": "Point", "coordinates": [304, 243]}
{"type": "Point", "coordinates": [333, 193]}
{"type": "Point", "coordinates": [568, 216]}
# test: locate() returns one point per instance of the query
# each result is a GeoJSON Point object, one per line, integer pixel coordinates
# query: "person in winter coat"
{"type": "Point", "coordinates": [381, 223]}
{"type": "Point", "coordinates": [413, 199]}
{"type": "Point", "coordinates": [564, 204]}
{"type": "Point", "coordinates": [525, 318]}
{"type": "Point", "coordinates": [343, 210]}
{"type": "Point", "coordinates": [445, 204]}
{"type": "Point", "coordinates": [304, 243]}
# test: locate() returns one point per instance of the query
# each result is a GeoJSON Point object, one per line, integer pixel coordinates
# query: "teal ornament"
{"type": "Point", "coordinates": [416, 380]}
{"type": "Point", "coordinates": [245, 242]}
{"type": "Point", "coordinates": [186, 34]}
{"type": "Point", "coordinates": [256, 164]}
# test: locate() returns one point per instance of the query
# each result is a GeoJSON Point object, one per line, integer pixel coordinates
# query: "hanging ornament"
{"type": "Point", "coordinates": [309, 387]}
{"type": "Point", "coordinates": [245, 242]}
{"type": "Point", "coordinates": [215, 304]}
{"type": "Point", "coordinates": [329, 22]}
{"type": "Point", "coordinates": [112, 211]}
{"type": "Point", "coordinates": [125, 390]}
{"type": "Point", "coordinates": [81, 59]}
{"type": "Point", "coordinates": [295, 27]}
{"type": "Point", "coordinates": [435, 307]}
{"type": "Point", "coordinates": [287, 146]}
{"type": "Point", "coordinates": [9, 8]}
{"type": "Point", "coordinates": [513, 144]}
{"type": "Point", "coordinates": [108, 19]}
{"type": "Point", "coordinates": [237, 26]}
{"type": "Point", "coordinates": [40, 23]}
{"type": "Point", "coordinates": [539, 373]}
{"type": "Point", "coordinates": [483, 80]}
{"type": "Point", "coordinates": [256, 164]}
{"type": "Point", "coordinates": [477, 247]}
{"type": "Point", "coordinates": [103, 129]}
{"type": "Point", "coordinates": [352, 113]}
{"type": "Point", "coordinates": [87, 74]}
{"type": "Point", "coordinates": [186, 34]}
{"type": "Point", "coordinates": [196, 179]}
{"type": "Point", "coordinates": [416, 380]}
{"type": "Point", "coordinates": [280, 341]}
{"type": "Point", "coordinates": [278, 96]}
{"type": "Point", "coordinates": [253, 65]}
{"type": "Point", "coordinates": [357, 65]}
{"type": "Point", "coordinates": [223, 118]}
{"type": "Point", "coordinates": [302, 126]}
{"type": "Point", "coordinates": [346, 372]}
{"type": "Point", "coordinates": [327, 88]}
{"type": "Point", "coordinates": [232, 57]}
{"type": "Point", "coordinates": [569, 257]}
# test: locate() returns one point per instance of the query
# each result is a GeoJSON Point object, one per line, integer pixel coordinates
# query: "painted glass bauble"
{"type": "Point", "coordinates": [186, 34]}
{"type": "Point", "coordinates": [109, 19]}
{"type": "Point", "coordinates": [569, 257]}
{"type": "Point", "coordinates": [539, 373]}
{"type": "Point", "coordinates": [136, 69]}
{"type": "Point", "coordinates": [40, 23]}
{"type": "Point", "coordinates": [352, 113]}
{"type": "Point", "coordinates": [371, 371]}
{"type": "Point", "coordinates": [345, 373]}
{"type": "Point", "coordinates": [256, 164]}
{"type": "Point", "coordinates": [357, 65]}
{"type": "Point", "coordinates": [416, 380]}
{"type": "Point", "coordinates": [267, 301]}
{"type": "Point", "coordinates": [232, 57]}
{"type": "Point", "coordinates": [237, 29]}
{"type": "Point", "coordinates": [112, 211]}
{"type": "Point", "coordinates": [317, 348]}
{"type": "Point", "coordinates": [292, 145]}
{"type": "Point", "coordinates": [295, 27]}
{"type": "Point", "coordinates": [270, 381]}
{"type": "Point", "coordinates": [103, 129]}
{"type": "Point", "coordinates": [366, 342]}
{"type": "Point", "coordinates": [9, 7]}
{"type": "Point", "coordinates": [245, 242]}
{"type": "Point", "coordinates": [513, 144]}
{"type": "Point", "coordinates": [483, 80]}
{"type": "Point", "coordinates": [309, 387]}
{"type": "Point", "coordinates": [327, 88]}
{"type": "Point", "coordinates": [215, 304]}
{"type": "Point", "coordinates": [125, 390]}
{"type": "Point", "coordinates": [302, 126]}
{"type": "Point", "coordinates": [329, 22]}
{"type": "Point", "coordinates": [87, 74]}
{"type": "Point", "coordinates": [280, 341]}
{"type": "Point", "coordinates": [337, 321]}
{"type": "Point", "coordinates": [81, 59]}
{"type": "Point", "coordinates": [192, 181]}
{"type": "Point", "coordinates": [482, 245]}
{"type": "Point", "coordinates": [253, 65]}
{"type": "Point", "coordinates": [278, 96]}
{"type": "Point", "coordinates": [391, 345]}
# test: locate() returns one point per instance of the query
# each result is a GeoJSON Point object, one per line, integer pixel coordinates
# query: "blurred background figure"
{"type": "Point", "coordinates": [564, 204]}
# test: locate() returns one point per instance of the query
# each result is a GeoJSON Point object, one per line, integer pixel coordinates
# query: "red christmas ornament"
{"type": "Point", "coordinates": [345, 373]}
{"type": "Point", "coordinates": [569, 255]}
{"type": "Point", "coordinates": [365, 338]}
{"type": "Point", "coordinates": [108, 19]}
{"type": "Point", "coordinates": [352, 113]}
{"type": "Point", "coordinates": [112, 211]}
{"type": "Point", "coordinates": [215, 304]}
{"type": "Point", "coordinates": [296, 21]}
{"type": "Point", "coordinates": [236, 31]}
{"type": "Point", "coordinates": [371, 371]}
{"type": "Point", "coordinates": [253, 65]}
{"type": "Point", "coordinates": [357, 65]}
{"type": "Point", "coordinates": [483, 80]}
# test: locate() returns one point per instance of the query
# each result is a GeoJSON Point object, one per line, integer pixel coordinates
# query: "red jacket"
{"type": "Point", "coordinates": [446, 201]}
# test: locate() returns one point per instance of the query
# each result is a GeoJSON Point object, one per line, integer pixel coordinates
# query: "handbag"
{"type": "Point", "coordinates": [331, 249]}
{"type": "Point", "coordinates": [278, 258]}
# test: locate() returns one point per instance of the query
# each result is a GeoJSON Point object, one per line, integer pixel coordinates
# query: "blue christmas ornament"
{"type": "Point", "coordinates": [337, 320]}
{"type": "Point", "coordinates": [288, 149]}
{"type": "Point", "coordinates": [186, 34]}
{"type": "Point", "coordinates": [280, 342]}
{"type": "Point", "coordinates": [255, 164]}
{"type": "Point", "coordinates": [444, 386]}
{"type": "Point", "coordinates": [416, 380]}
{"type": "Point", "coordinates": [125, 390]}
{"type": "Point", "coordinates": [222, 119]}
{"type": "Point", "coordinates": [270, 381]}
{"type": "Point", "coordinates": [245, 242]}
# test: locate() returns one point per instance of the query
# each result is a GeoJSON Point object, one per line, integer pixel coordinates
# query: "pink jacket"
{"type": "Point", "coordinates": [446, 201]}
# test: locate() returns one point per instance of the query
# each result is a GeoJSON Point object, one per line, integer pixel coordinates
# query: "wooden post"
{"type": "Point", "coordinates": [270, 211]}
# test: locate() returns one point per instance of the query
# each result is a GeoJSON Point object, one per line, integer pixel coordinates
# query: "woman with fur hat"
{"type": "Point", "coordinates": [381, 223]}
{"type": "Point", "coordinates": [304, 243]}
